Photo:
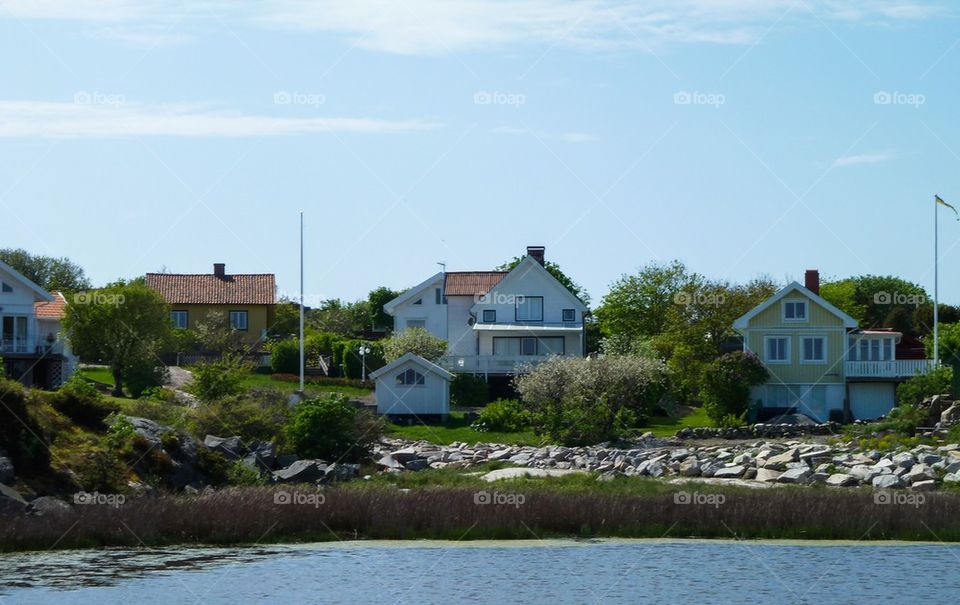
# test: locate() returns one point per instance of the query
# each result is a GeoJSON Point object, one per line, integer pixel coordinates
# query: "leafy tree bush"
{"type": "Point", "coordinates": [145, 373]}
{"type": "Point", "coordinates": [218, 379]}
{"type": "Point", "coordinates": [215, 335]}
{"type": "Point", "coordinates": [469, 390]}
{"type": "Point", "coordinates": [913, 391]}
{"type": "Point", "coordinates": [20, 434]}
{"type": "Point", "coordinates": [329, 429]}
{"type": "Point", "coordinates": [352, 362]}
{"type": "Point", "coordinates": [285, 357]}
{"type": "Point", "coordinates": [726, 386]}
{"type": "Point", "coordinates": [502, 415]}
{"type": "Point", "coordinates": [81, 402]}
{"type": "Point", "coordinates": [414, 340]}
{"type": "Point", "coordinates": [584, 401]}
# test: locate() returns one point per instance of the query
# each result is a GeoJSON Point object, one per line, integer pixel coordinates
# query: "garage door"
{"type": "Point", "coordinates": [871, 400]}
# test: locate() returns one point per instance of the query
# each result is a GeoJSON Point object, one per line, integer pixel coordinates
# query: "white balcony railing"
{"type": "Point", "coordinates": [492, 364]}
{"type": "Point", "coordinates": [898, 368]}
{"type": "Point", "coordinates": [30, 346]}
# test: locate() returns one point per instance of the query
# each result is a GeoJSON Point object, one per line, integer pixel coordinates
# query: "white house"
{"type": "Point", "coordinates": [411, 385]}
{"type": "Point", "coordinates": [495, 321]}
{"type": "Point", "coordinates": [32, 345]}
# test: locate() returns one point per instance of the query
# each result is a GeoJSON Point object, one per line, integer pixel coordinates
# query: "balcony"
{"type": "Point", "coordinates": [10, 346]}
{"type": "Point", "coordinates": [488, 364]}
{"type": "Point", "coordinates": [897, 368]}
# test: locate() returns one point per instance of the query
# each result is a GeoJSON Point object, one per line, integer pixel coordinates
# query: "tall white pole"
{"type": "Point", "coordinates": [936, 277]}
{"type": "Point", "coordinates": [302, 353]}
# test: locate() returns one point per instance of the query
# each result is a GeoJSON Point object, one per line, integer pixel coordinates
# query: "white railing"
{"type": "Point", "coordinates": [898, 368]}
{"type": "Point", "coordinates": [29, 346]}
{"type": "Point", "coordinates": [493, 364]}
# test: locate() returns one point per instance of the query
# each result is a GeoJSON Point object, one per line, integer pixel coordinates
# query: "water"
{"type": "Point", "coordinates": [607, 572]}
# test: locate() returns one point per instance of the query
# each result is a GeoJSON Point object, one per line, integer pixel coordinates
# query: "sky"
{"type": "Point", "coordinates": [743, 137]}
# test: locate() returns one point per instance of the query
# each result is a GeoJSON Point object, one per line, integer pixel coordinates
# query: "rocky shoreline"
{"type": "Point", "coordinates": [922, 468]}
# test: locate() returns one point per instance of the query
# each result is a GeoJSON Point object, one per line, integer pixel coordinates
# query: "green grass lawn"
{"type": "Point", "coordinates": [101, 376]}
{"type": "Point", "coordinates": [268, 381]}
{"type": "Point", "coordinates": [457, 428]}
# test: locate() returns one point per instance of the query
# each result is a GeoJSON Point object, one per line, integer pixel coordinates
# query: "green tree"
{"type": "Point", "coordinates": [637, 305]}
{"type": "Point", "coordinates": [375, 301]}
{"type": "Point", "coordinates": [726, 386]}
{"type": "Point", "coordinates": [286, 319]}
{"type": "Point", "coordinates": [331, 429]}
{"type": "Point", "coordinates": [122, 324]}
{"type": "Point", "coordinates": [48, 272]}
{"type": "Point", "coordinates": [870, 299]}
{"type": "Point", "coordinates": [414, 340]}
{"type": "Point", "coordinates": [554, 270]}
{"type": "Point", "coordinates": [215, 335]}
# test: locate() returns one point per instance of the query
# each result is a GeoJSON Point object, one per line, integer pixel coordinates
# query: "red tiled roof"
{"type": "Point", "coordinates": [55, 309]}
{"type": "Point", "coordinates": [208, 289]}
{"type": "Point", "coordinates": [471, 283]}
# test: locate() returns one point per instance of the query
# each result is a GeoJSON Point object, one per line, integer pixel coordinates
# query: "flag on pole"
{"type": "Point", "coordinates": [943, 203]}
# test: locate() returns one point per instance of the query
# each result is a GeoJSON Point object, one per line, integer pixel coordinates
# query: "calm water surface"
{"type": "Point", "coordinates": [608, 572]}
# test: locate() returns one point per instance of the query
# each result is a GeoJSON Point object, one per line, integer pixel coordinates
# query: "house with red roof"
{"type": "Point", "coordinates": [246, 301]}
{"type": "Point", "coordinates": [32, 344]}
{"type": "Point", "coordinates": [495, 322]}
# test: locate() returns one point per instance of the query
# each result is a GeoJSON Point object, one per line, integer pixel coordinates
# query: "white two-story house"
{"type": "Point", "coordinates": [495, 322]}
{"type": "Point", "coordinates": [32, 345]}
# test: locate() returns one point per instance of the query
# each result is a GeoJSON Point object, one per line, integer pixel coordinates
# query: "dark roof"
{"type": "Point", "coordinates": [208, 289]}
{"type": "Point", "coordinates": [471, 283]}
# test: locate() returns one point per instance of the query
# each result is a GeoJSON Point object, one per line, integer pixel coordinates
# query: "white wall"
{"type": "Point", "coordinates": [461, 338]}
{"type": "Point", "coordinates": [572, 342]}
{"type": "Point", "coordinates": [431, 398]}
{"type": "Point", "coordinates": [435, 315]}
{"type": "Point", "coordinates": [524, 282]}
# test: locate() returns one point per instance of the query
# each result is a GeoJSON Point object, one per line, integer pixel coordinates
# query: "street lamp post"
{"type": "Point", "coordinates": [364, 350]}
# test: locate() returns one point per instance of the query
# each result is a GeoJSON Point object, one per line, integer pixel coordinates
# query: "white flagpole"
{"type": "Point", "coordinates": [936, 310]}
{"type": "Point", "coordinates": [302, 356]}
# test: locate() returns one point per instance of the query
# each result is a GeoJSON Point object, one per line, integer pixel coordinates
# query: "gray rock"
{"type": "Point", "coordinates": [302, 471]}
{"type": "Point", "coordinates": [928, 485]}
{"type": "Point", "coordinates": [6, 470]}
{"type": "Point", "coordinates": [391, 463]}
{"type": "Point", "coordinates": [780, 461]}
{"type": "Point", "coordinates": [405, 455]}
{"type": "Point", "coordinates": [230, 447]}
{"type": "Point", "coordinates": [887, 482]}
{"type": "Point", "coordinates": [795, 475]}
{"type": "Point", "coordinates": [11, 500]}
{"type": "Point", "coordinates": [46, 506]}
{"type": "Point", "coordinates": [340, 471]}
{"type": "Point", "coordinates": [729, 472]}
{"type": "Point", "coordinates": [842, 480]}
{"type": "Point", "coordinates": [148, 429]}
{"type": "Point", "coordinates": [951, 478]}
{"type": "Point", "coordinates": [285, 460]}
{"type": "Point", "coordinates": [767, 475]}
{"type": "Point", "coordinates": [904, 459]}
{"type": "Point", "coordinates": [921, 472]}
{"type": "Point", "coordinates": [417, 464]}
{"type": "Point", "coordinates": [261, 456]}
{"type": "Point", "coordinates": [655, 469]}
{"type": "Point", "coordinates": [865, 473]}
{"type": "Point", "coordinates": [690, 467]}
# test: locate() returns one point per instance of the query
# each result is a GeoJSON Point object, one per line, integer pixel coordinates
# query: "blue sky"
{"type": "Point", "coordinates": [744, 137]}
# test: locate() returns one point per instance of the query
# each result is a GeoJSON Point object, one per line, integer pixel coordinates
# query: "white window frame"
{"type": "Point", "coordinates": [794, 301]}
{"type": "Point", "coordinates": [522, 304]}
{"type": "Point", "coordinates": [494, 317]}
{"type": "Point", "coordinates": [803, 350]}
{"type": "Point", "coordinates": [180, 313]}
{"type": "Point", "coordinates": [235, 325]}
{"type": "Point", "coordinates": [419, 379]}
{"type": "Point", "coordinates": [415, 320]}
{"type": "Point", "coordinates": [766, 349]}
{"type": "Point", "coordinates": [573, 316]}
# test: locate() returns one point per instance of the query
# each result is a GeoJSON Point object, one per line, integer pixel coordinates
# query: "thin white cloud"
{"type": "Point", "coordinates": [433, 27]}
{"type": "Point", "coordinates": [865, 158]}
{"type": "Point", "coordinates": [106, 116]}
{"type": "Point", "coordinates": [568, 137]}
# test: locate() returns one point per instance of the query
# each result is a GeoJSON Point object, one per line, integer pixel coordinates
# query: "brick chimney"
{"type": "Point", "coordinates": [537, 252]}
{"type": "Point", "coordinates": [220, 270]}
{"type": "Point", "coordinates": [811, 280]}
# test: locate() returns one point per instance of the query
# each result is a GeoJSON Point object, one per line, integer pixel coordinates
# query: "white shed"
{"type": "Point", "coordinates": [411, 385]}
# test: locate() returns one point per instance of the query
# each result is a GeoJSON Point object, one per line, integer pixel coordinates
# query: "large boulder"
{"type": "Point", "coordinates": [46, 506]}
{"type": "Point", "coordinates": [11, 500]}
{"type": "Point", "coordinates": [729, 472]}
{"type": "Point", "coordinates": [339, 471]}
{"type": "Point", "coordinates": [230, 447]}
{"type": "Point", "coordinates": [950, 416]}
{"type": "Point", "coordinates": [842, 480]}
{"type": "Point", "coordinates": [767, 475]}
{"type": "Point", "coordinates": [797, 474]}
{"type": "Point", "coordinates": [260, 456]}
{"type": "Point", "coordinates": [302, 471]}
{"type": "Point", "coordinates": [390, 463]}
{"type": "Point", "coordinates": [887, 482]}
{"type": "Point", "coordinates": [149, 430]}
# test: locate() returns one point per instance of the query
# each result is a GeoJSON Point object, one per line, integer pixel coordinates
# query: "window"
{"type": "Point", "coordinates": [238, 320]}
{"type": "Point", "coordinates": [179, 319]}
{"type": "Point", "coordinates": [777, 349]}
{"type": "Point", "coordinates": [419, 301]}
{"type": "Point", "coordinates": [7, 288]}
{"type": "Point", "coordinates": [795, 310]}
{"type": "Point", "coordinates": [410, 378]}
{"type": "Point", "coordinates": [513, 346]}
{"type": "Point", "coordinates": [438, 296]}
{"type": "Point", "coordinates": [888, 349]}
{"type": "Point", "coordinates": [528, 346]}
{"type": "Point", "coordinates": [417, 323]}
{"type": "Point", "coordinates": [569, 315]}
{"type": "Point", "coordinates": [530, 308]}
{"type": "Point", "coordinates": [814, 349]}
{"type": "Point", "coordinates": [489, 316]}
{"type": "Point", "coordinates": [871, 349]}
{"type": "Point", "coordinates": [552, 345]}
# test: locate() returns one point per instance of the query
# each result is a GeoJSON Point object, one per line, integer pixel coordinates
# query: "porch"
{"type": "Point", "coordinates": [894, 369]}
{"type": "Point", "coordinates": [488, 364]}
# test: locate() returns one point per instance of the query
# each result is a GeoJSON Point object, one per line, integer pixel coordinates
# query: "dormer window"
{"type": "Point", "coordinates": [794, 310]}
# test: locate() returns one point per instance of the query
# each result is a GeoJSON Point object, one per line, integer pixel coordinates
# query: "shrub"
{"type": "Point", "coordinates": [80, 401]}
{"type": "Point", "coordinates": [20, 434]}
{"type": "Point", "coordinates": [726, 386]}
{"type": "Point", "coordinates": [258, 415]}
{"type": "Point", "coordinates": [414, 340]}
{"type": "Point", "coordinates": [144, 374]}
{"type": "Point", "coordinates": [352, 363]}
{"type": "Point", "coordinates": [218, 379]}
{"type": "Point", "coordinates": [327, 428]}
{"type": "Point", "coordinates": [469, 390]}
{"type": "Point", "coordinates": [921, 386]}
{"type": "Point", "coordinates": [502, 415]}
{"type": "Point", "coordinates": [584, 401]}
{"type": "Point", "coordinates": [285, 357]}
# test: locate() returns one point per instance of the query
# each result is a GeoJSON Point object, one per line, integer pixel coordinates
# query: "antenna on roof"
{"type": "Point", "coordinates": [443, 267]}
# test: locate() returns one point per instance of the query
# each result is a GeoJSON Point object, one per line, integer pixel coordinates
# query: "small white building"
{"type": "Point", "coordinates": [412, 386]}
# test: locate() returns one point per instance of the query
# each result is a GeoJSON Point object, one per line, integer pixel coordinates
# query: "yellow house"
{"type": "Point", "coordinates": [247, 301]}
